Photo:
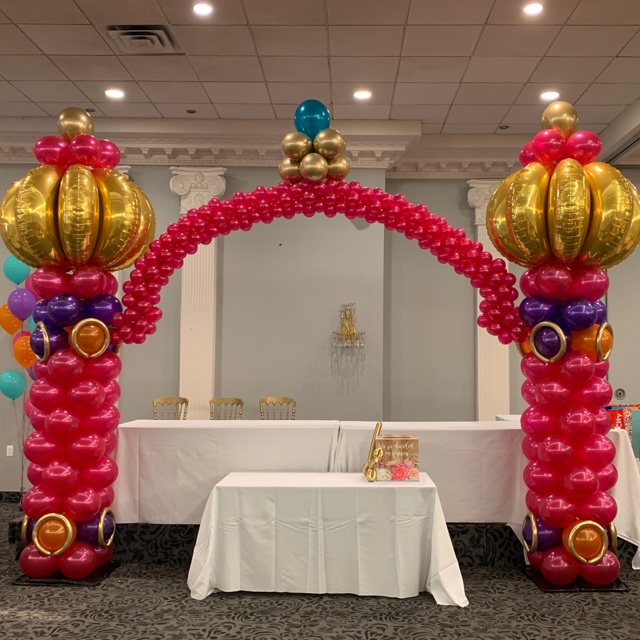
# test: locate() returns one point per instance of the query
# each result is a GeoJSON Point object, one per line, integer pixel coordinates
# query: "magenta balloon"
{"type": "Point", "coordinates": [530, 448]}
{"type": "Point", "coordinates": [604, 572]}
{"type": "Point", "coordinates": [577, 367]}
{"type": "Point", "coordinates": [60, 476]}
{"type": "Point", "coordinates": [21, 303]}
{"type": "Point", "coordinates": [82, 503]}
{"type": "Point", "coordinates": [535, 369]}
{"type": "Point", "coordinates": [558, 566]}
{"type": "Point", "coordinates": [577, 423]}
{"type": "Point", "coordinates": [100, 474]}
{"type": "Point", "coordinates": [597, 451]}
{"type": "Point", "coordinates": [555, 452]}
{"type": "Point", "coordinates": [590, 283]}
{"type": "Point", "coordinates": [106, 497]}
{"type": "Point", "coordinates": [86, 395]}
{"type": "Point", "coordinates": [528, 391]}
{"type": "Point", "coordinates": [62, 425]}
{"type": "Point", "coordinates": [607, 477]}
{"type": "Point", "coordinates": [600, 507]}
{"type": "Point", "coordinates": [52, 150]}
{"type": "Point", "coordinates": [595, 393]}
{"type": "Point", "coordinates": [102, 420]}
{"type": "Point", "coordinates": [110, 442]}
{"type": "Point", "coordinates": [88, 281]}
{"type": "Point", "coordinates": [554, 281]}
{"type": "Point", "coordinates": [78, 561]}
{"type": "Point", "coordinates": [66, 366]}
{"type": "Point", "coordinates": [583, 146]}
{"type": "Point", "coordinates": [50, 281]}
{"type": "Point", "coordinates": [86, 449]}
{"type": "Point", "coordinates": [557, 510]}
{"type": "Point", "coordinates": [601, 368]}
{"type": "Point", "coordinates": [34, 473]}
{"type": "Point", "coordinates": [39, 501]}
{"type": "Point", "coordinates": [111, 288]}
{"type": "Point", "coordinates": [527, 154]}
{"type": "Point", "coordinates": [528, 283]}
{"type": "Point", "coordinates": [35, 564]}
{"type": "Point", "coordinates": [46, 395]}
{"type": "Point", "coordinates": [103, 554]}
{"type": "Point", "coordinates": [104, 368]}
{"type": "Point", "coordinates": [540, 478]}
{"type": "Point", "coordinates": [111, 392]}
{"type": "Point", "coordinates": [85, 149]}
{"type": "Point", "coordinates": [532, 500]}
{"type": "Point", "coordinates": [538, 422]}
{"type": "Point", "coordinates": [37, 419]}
{"type": "Point", "coordinates": [548, 145]}
{"type": "Point", "coordinates": [109, 155]}
{"type": "Point", "coordinates": [552, 393]}
{"type": "Point", "coordinates": [580, 481]}
{"type": "Point", "coordinates": [41, 449]}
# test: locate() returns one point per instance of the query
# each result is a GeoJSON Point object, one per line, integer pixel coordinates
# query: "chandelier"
{"type": "Point", "coordinates": [348, 336]}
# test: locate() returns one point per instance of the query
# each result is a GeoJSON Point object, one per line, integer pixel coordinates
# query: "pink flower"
{"type": "Point", "coordinates": [414, 474]}
{"type": "Point", "coordinates": [409, 463]}
{"type": "Point", "coordinates": [399, 472]}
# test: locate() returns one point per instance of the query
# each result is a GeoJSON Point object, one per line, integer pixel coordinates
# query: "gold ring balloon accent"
{"type": "Point", "coordinates": [46, 341]}
{"type": "Point", "coordinates": [24, 530]}
{"type": "Point", "coordinates": [101, 541]}
{"type": "Point", "coordinates": [561, 337]}
{"type": "Point", "coordinates": [90, 338]}
{"type": "Point", "coordinates": [533, 547]}
{"type": "Point", "coordinates": [602, 351]}
{"type": "Point", "coordinates": [62, 523]}
{"type": "Point", "coordinates": [613, 537]}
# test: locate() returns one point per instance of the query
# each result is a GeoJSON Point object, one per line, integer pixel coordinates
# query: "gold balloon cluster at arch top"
{"type": "Point", "coordinates": [314, 160]}
{"type": "Point", "coordinates": [577, 214]}
{"type": "Point", "coordinates": [68, 216]}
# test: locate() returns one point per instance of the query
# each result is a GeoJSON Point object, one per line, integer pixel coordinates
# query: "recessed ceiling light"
{"type": "Point", "coordinates": [191, 111]}
{"type": "Point", "coordinates": [550, 95]}
{"type": "Point", "coordinates": [362, 94]}
{"type": "Point", "coordinates": [533, 9]}
{"type": "Point", "coordinates": [90, 110]}
{"type": "Point", "coordinates": [503, 126]}
{"type": "Point", "coordinates": [114, 94]}
{"type": "Point", "coordinates": [202, 9]}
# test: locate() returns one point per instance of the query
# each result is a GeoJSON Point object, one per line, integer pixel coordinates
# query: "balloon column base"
{"type": "Point", "coordinates": [58, 579]}
{"type": "Point", "coordinates": [578, 585]}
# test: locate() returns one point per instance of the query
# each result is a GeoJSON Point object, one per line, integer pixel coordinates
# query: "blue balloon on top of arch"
{"type": "Point", "coordinates": [311, 118]}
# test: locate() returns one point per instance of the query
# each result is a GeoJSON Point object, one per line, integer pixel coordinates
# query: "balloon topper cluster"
{"type": "Point", "coordinates": [314, 151]}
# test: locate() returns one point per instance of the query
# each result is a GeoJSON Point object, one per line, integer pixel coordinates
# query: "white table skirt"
{"type": "Point", "coordinates": [325, 533]}
{"type": "Point", "coordinates": [167, 468]}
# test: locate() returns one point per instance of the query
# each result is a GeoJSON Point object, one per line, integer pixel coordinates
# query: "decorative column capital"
{"type": "Point", "coordinates": [480, 191]}
{"type": "Point", "coordinates": [124, 170]}
{"type": "Point", "coordinates": [197, 185]}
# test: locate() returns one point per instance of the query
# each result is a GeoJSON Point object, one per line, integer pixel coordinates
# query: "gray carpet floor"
{"type": "Point", "coordinates": [152, 602]}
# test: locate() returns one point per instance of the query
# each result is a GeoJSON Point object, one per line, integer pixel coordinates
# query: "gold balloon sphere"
{"type": "Point", "coordinates": [289, 170]}
{"type": "Point", "coordinates": [314, 167]}
{"type": "Point", "coordinates": [561, 116]}
{"type": "Point", "coordinates": [338, 168]}
{"type": "Point", "coordinates": [296, 145]}
{"type": "Point", "coordinates": [329, 143]}
{"type": "Point", "coordinates": [73, 121]}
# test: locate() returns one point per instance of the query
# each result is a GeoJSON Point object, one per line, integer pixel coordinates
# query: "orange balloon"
{"type": "Point", "coordinates": [525, 347]}
{"type": "Point", "coordinates": [52, 534]}
{"type": "Point", "coordinates": [587, 542]}
{"type": "Point", "coordinates": [8, 321]}
{"type": "Point", "coordinates": [584, 341]}
{"type": "Point", "coordinates": [91, 338]}
{"type": "Point", "coordinates": [22, 352]}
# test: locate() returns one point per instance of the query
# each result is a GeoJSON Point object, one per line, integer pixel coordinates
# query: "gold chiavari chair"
{"type": "Point", "coordinates": [226, 408]}
{"type": "Point", "coordinates": [277, 408]}
{"type": "Point", "coordinates": [170, 408]}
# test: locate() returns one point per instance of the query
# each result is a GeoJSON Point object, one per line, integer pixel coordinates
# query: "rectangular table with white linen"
{"type": "Point", "coordinates": [325, 533]}
{"type": "Point", "coordinates": [167, 468]}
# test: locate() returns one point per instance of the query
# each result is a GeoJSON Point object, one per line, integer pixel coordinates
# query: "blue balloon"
{"type": "Point", "coordinates": [12, 383]}
{"type": "Point", "coordinates": [31, 325]}
{"type": "Point", "coordinates": [15, 270]}
{"type": "Point", "coordinates": [311, 118]}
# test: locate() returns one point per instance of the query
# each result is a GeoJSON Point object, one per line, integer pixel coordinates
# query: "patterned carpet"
{"type": "Point", "coordinates": [152, 602]}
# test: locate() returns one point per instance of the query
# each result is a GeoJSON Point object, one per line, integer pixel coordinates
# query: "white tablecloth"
{"type": "Point", "coordinates": [325, 533]}
{"type": "Point", "coordinates": [167, 468]}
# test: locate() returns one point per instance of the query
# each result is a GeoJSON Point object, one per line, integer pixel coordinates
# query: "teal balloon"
{"type": "Point", "coordinates": [31, 324]}
{"type": "Point", "coordinates": [15, 270]}
{"type": "Point", "coordinates": [311, 118]}
{"type": "Point", "coordinates": [12, 383]}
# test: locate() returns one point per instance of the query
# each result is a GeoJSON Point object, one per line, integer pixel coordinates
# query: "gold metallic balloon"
{"type": "Point", "coordinates": [569, 210]}
{"type": "Point", "coordinates": [338, 168]}
{"type": "Point", "coordinates": [526, 215]}
{"type": "Point", "coordinates": [329, 143]}
{"type": "Point", "coordinates": [632, 237]}
{"type": "Point", "coordinates": [611, 215]}
{"type": "Point", "coordinates": [146, 230]}
{"type": "Point", "coordinates": [78, 214]}
{"type": "Point", "coordinates": [296, 145]}
{"type": "Point", "coordinates": [314, 167]}
{"type": "Point", "coordinates": [35, 215]}
{"type": "Point", "coordinates": [289, 170]}
{"type": "Point", "coordinates": [9, 228]}
{"type": "Point", "coordinates": [121, 215]}
{"type": "Point", "coordinates": [561, 116]}
{"type": "Point", "coordinates": [74, 121]}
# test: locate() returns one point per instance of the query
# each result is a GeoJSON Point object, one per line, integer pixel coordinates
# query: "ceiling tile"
{"type": "Point", "coordinates": [122, 11]}
{"type": "Point", "coordinates": [532, 40]}
{"type": "Point", "coordinates": [602, 94]}
{"type": "Point", "coordinates": [8, 93]}
{"type": "Point", "coordinates": [55, 108]}
{"type": "Point", "coordinates": [92, 67]}
{"type": "Point", "coordinates": [342, 92]}
{"type": "Point", "coordinates": [29, 68]}
{"type": "Point", "coordinates": [367, 11]}
{"type": "Point", "coordinates": [180, 111]}
{"type": "Point", "coordinates": [284, 111]}
{"type": "Point", "coordinates": [431, 128]}
{"type": "Point", "coordinates": [237, 92]}
{"type": "Point", "coordinates": [530, 114]}
{"type": "Point", "coordinates": [227, 68]}
{"type": "Point", "coordinates": [297, 92]}
{"type": "Point", "coordinates": [175, 92]}
{"type": "Point", "coordinates": [280, 12]}
{"type": "Point", "coordinates": [128, 110]}
{"type": "Point", "coordinates": [50, 90]}
{"type": "Point", "coordinates": [468, 128]}
{"type": "Point", "coordinates": [440, 41]}
{"type": "Point", "coordinates": [511, 69]}
{"type": "Point", "coordinates": [365, 41]}
{"type": "Point", "coordinates": [95, 90]}
{"type": "Point", "coordinates": [600, 113]}
{"type": "Point", "coordinates": [449, 12]}
{"type": "Point", "coordinates": [633, 48]}
{"type": "Point", "coordinates": [467, 114]}
{"type": "Point", "coordinates": [488, 92]}
{"type": "Point", "coordinates": [215, 41]}
{"type": "Point", "coordinates": [224, 12]}
{"type": "Point", "coordinates": [43, 12]}
{"type": "Point", "coordinates": [620, 70]}
{"type": "Point", "coordinates": [425, 93]}
{"type": "Point", "coordinates": [510, 12]}
{"type": "Point", "coordinates": [569, 92]}
{"type": "Point", "coordinates": [245, 111]}
{"type": "Point", "coordinates": [596, 128]}
{"type": "Point", "coordinates": [21, 109]}
{"type": "Point", "coordinates": [591, 41]}
{"type": "Point", "coordinates": [12, 40]}
{"type": "Point", "coordinates": [521, 114]}
{"type": "Point", "coordinates": [295, 69]}
{"type": "Point", "coordinates": [4, 19]}
{"type": "Point", "coordinates": [609, 12]}
{"type": "Point", "coordinates": [290, 41]}
{"type": "Point", "coordinates": [569, 69]}
{"type": "Point", "coordinates": [519, 128]}
{"type": "Point", "coordinates": [428, 69]}
{"type": "Point", "coordinates": [432, 113]}
{"type": "Point", "coordinates": [66, 39]}
{"type": "Point", "coordinates": [364, 69]}
{"type": "Point", "coordinates": [155, 68]}
{"type": "Point", "coordinates": [360, 112]}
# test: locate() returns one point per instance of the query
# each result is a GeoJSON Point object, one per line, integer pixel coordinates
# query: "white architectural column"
{"type": "Point", "coordinates": [492, 357]}
{"type": "Point", "coordinates": [196, 186]}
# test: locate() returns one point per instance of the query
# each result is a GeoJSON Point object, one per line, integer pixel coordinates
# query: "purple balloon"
{"type": "Point", "coordinates": [102, 307]}
{"type": "Point", "coordinates": [88, 529]}
{"type": "Point", "coordinates": [40, 313]}
{"type": "Point", "coordinates": [548, 343]}
{"type": "Point", "coordinates": [32, 374]}
{"type": "Point", "coordinates": [534, 309]}
{"type": "Point", "coordinates": [601, 311]}
{"type": "Point", "coordinates": [21, 303]}
{"type": "Point", "coordinates": [58, 339]}
{"type": "Point", "coordinates": [577, 314]}
{"type": "Point", "coordinates": [548, 537]}
{"type": "Point", "coordinates": [65, 309]}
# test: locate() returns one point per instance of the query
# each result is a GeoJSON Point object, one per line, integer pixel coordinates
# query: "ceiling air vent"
{"type": "Point", "coordinates": [143, 40]}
